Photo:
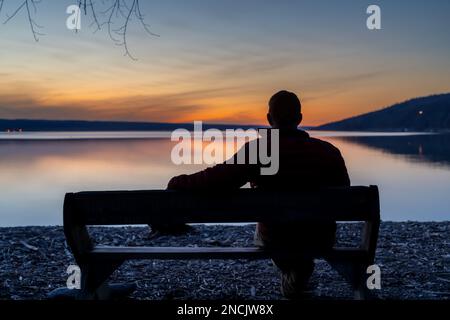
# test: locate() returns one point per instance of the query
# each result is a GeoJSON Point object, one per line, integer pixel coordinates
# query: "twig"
{"type": "Point", "coordinates": [119, 12]}
{"type": "Point", "coordinates": [94, 15]}
{"type": "Point", "coordinates": [28, 246]}
{"type": "Point", "coordinates": [33, 25]}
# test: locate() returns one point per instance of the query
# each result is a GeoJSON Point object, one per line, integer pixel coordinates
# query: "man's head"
{"type": "Point", "coordinates": [285, 110]}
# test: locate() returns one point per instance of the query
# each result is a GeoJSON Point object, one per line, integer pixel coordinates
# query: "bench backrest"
{"type": "Point", "coordinates": [243, 205]}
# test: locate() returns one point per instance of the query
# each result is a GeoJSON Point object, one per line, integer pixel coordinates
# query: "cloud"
{"type": "Point", "coordinates": [157, 107]}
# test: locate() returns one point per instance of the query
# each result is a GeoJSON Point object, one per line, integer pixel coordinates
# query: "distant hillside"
{"type": "Point", "coordinates": [430, 113]}
{"type": "Point", "coordinates": [75, 125]}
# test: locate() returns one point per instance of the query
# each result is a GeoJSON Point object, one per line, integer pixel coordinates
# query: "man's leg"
{"type": "Point", "coordinates": [295, 271]}
{"type": "Point", "coordinates": [295, 275]}
{"type": "Point", "coordinates": [157, 230]}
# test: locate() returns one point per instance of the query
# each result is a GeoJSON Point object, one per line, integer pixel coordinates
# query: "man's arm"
{"type": "Point", "coordinates": [221, 176]}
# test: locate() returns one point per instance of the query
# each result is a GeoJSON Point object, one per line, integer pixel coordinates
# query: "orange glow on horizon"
{"type": "Point", "coordinates": [142, 98]}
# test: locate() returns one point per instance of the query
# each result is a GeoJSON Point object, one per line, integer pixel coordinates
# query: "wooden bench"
{"type": "Point", "coordinates": [97, 263]}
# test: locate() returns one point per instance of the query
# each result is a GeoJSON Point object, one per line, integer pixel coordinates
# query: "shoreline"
{"type": "Point", "coordinates": [414, 258]}
{"type": "Point", "coordinates": [39, 136]}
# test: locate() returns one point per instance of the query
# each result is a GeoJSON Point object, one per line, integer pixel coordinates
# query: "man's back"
{"type": "Point", "coordinates": [305, 162]}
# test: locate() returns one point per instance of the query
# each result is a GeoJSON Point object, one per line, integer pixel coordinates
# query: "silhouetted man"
{"type": "Point", "coordinates": [304, 162]}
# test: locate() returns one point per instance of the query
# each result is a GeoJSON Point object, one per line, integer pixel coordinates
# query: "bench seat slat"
{"type": "Point", "coordinates": [177, 253]}
{"type": "Point", "coordinates": [182, 253]}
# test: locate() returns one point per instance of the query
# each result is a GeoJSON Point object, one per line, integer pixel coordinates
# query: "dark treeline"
{"type": "Point", "coordinates": [430, 113]}
{"type": "Point", "coordinates": [78, 125]}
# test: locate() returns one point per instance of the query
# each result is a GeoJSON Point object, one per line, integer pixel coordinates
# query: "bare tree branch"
{"type": "Point", "coordinates": [94, 16]}
{"type": "Point", "coordinates": [119, 13]}
{"type": "Point", "coordinates": [25, 5]}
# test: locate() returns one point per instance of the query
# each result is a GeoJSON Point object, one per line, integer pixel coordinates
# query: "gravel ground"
{"type": "Point", "coordinates": [414, 259]}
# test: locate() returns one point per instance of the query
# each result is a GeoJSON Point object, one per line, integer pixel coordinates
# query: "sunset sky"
{"type": "Point", "coordinates": [221, 60]}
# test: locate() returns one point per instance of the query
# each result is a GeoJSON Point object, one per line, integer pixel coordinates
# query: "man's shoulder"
{"type": "Point", "coordinates": [323, 145]}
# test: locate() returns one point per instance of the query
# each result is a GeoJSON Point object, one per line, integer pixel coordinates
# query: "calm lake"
{"type": "Point", "coordinates": [37, 169]}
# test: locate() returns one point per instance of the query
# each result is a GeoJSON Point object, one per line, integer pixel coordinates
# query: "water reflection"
{"type": "Point", "coordinates": [429, 148]}
{"type": "Point", "coordinates": [35, 174]}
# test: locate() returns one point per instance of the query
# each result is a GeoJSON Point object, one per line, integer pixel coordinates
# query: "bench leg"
{"type": "Point", "coordinates": [361, 292]}
{"type": "Point", "coordinates": [355, 274]}
{"type": "Point", "coordinates": [94, 275]}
